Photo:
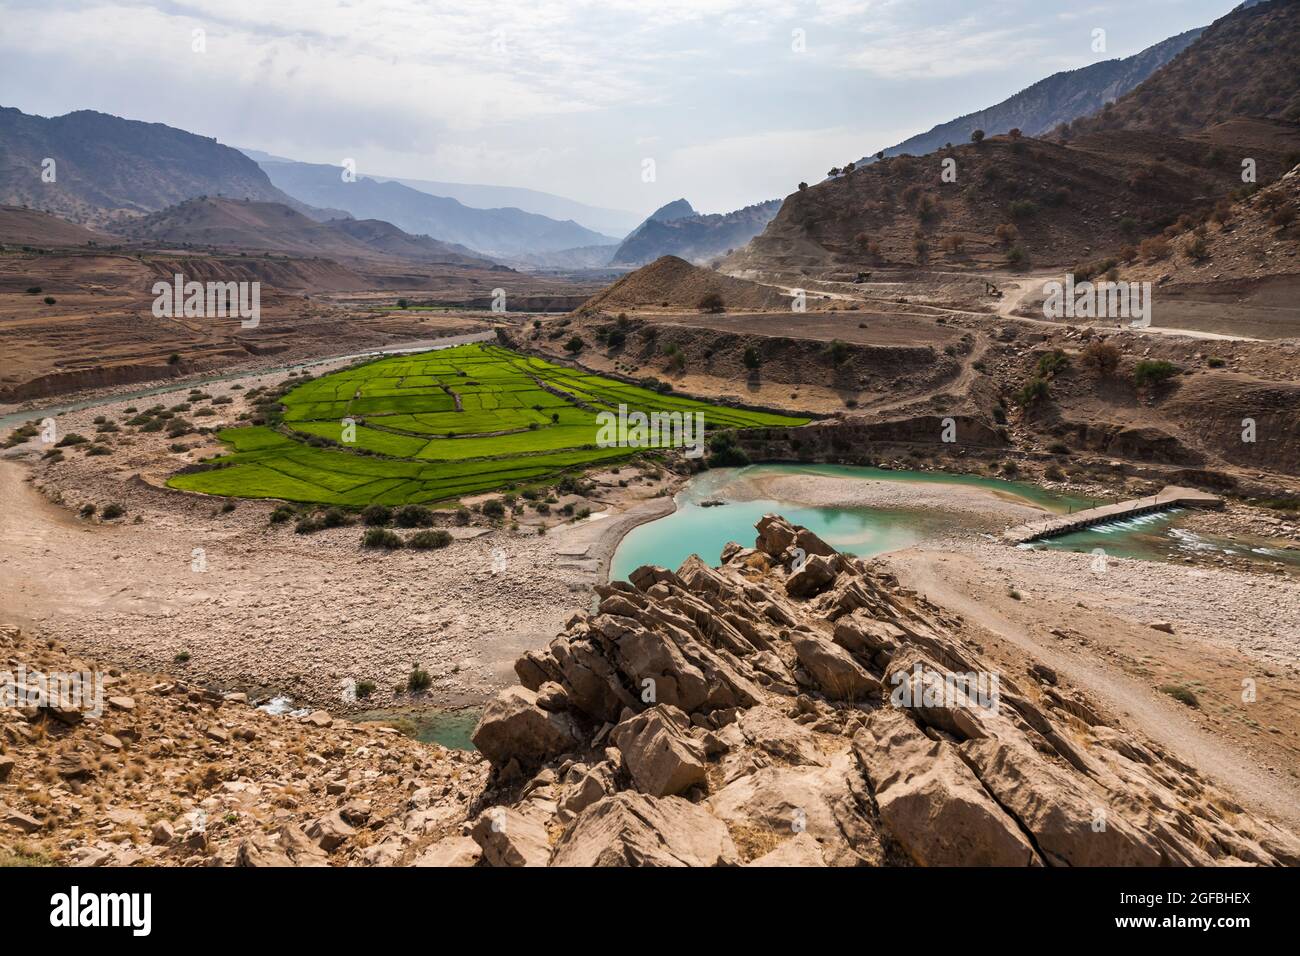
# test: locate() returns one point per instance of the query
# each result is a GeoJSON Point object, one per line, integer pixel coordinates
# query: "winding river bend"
{"type": "Point", "coordinates": [723, 505]}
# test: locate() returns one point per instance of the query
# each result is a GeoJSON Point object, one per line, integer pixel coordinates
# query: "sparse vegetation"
{"type": "Point", "coordinates": [1150, 372]}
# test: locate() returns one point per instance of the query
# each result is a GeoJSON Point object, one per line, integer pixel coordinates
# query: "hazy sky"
{"type": "Point", "coordinates": [569, 97]}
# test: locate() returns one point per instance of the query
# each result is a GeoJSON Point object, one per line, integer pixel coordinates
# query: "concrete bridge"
{"type": "Point", "coordinates": [1171, 496]}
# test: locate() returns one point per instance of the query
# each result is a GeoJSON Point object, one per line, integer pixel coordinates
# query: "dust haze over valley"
{"type": "Point", "coordinates": [529, 451]}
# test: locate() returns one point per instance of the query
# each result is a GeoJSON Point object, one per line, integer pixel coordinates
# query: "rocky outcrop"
{"type": "Point", "coordinates": [721, 716]}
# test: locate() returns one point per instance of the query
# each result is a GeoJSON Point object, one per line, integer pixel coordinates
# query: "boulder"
{"type": "Point", "coordinates": [633, 829]}
{"type": "Point", "coordinates": [775, 534]}
{"type": "Point", "coordinates": [660, 752]}
{"type": "Point", "coordinates": [452, 851]}
{"type": "Point", "coordinates": [509, 837]}
{"type": "Point", "coordinates": [800, 850]}
{"type": "Point", "coordinates": [291, 847]}
{"type": "Point", "coordinates": [1071, 824]}
{"type": "Point", "coordinates": [817, 574]}
{"type": "Point", "coordinates": [833, 668]}
{"type": "Point", "coordinates": [931, 803]}
{"type": "Point", "coordinates": [514, 726]}
{"type": "Point", "coordinates": [779, 802]}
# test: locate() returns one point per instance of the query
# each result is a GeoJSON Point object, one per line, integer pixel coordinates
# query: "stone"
{"type": "Point", "coordinates": [1165, 626]}
{"type": "Point", "coordinates": [660, 752]}
{"type": "Point", "coordinates": [800, 850]}
{"type": "Point", "coordinates": [452, 851]}
{"type": "Point", "coordinates": [20, 821]}
{"type": "Point", "coordinates": [817, 574]}
{"type": "Point", "coordinates": [931, 803]}
{"type": "Point", "coordinates": [828, 802]}
{"type": "Point", "coordinates": [291, 847]}
{"type": "Point", "coordinates": [125, 704]}
{"type": "Point", "coordinates": [833, 668]}
{"type": "Point", "coordinates": [591, 786]}
{"type": "Point", "coordinates": [7, 765]}
{"type": "Point", "coordinates": [553, 697]}
{"type": "Point", "coordinates": [162, 833]}
{"type": "Point", "coordinates": [775, 534]}
{"type": "Point", "coordinates": [509, 837]}
{"type": "Point", "coordinates": [1057, 809]}
{"type": "Point", "coordinates": [634, 829]}
{"type": "Point", "coordinates": [514, 726]}
{"type": "Point", "coordinates": [318, 718]}
{"type": "Point", "coordinates": [330, 831]}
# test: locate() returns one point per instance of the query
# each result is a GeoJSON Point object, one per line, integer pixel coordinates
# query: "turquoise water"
{"type": "Point", "coordinates": [697, 529]}
{"type": "Point", "coordinates": [1157, 537]}
{"type": "Point", "coordinates": [451, 728]}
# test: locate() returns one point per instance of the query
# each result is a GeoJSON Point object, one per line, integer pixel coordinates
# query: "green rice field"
{"type": "Point", "coordinates": [435, 426]}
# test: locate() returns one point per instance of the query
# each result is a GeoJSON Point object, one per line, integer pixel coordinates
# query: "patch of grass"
{"type": "Point", "coordinates": [418, 680]}
{"type": "Point", "coordinates": [433, 427]}
{"type": "Point", "coordinates": [1181, 694]}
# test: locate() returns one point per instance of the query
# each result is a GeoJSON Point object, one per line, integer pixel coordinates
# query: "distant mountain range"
{"type": "Point", "coordinates": [613, 222]}
{"type": "Point", "coordinates": [107, 168]}
{"type": "Point", "coordinates": [241, 225]}
{"type": "Point", "coordinates": [678, 230]}
{"type": "Point", "coordinates": [501, 232]}
{"type": "Point", "coordinates": [1061, 98]}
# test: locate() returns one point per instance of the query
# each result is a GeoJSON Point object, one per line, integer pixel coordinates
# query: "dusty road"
{"type": "Point", "coordinates": [1103, 646]}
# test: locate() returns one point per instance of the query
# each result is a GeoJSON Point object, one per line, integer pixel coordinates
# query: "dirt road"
{"type": "Point", "coordinates": [1240, 762]}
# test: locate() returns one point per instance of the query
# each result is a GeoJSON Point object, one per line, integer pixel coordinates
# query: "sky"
{"type": "Point", "coordinates": [625, 104]}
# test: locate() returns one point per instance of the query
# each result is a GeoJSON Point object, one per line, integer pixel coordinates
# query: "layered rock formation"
{"type": "Point", "coordinates": [797, 707]}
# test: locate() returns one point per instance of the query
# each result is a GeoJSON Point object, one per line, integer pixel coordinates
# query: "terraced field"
{"type": "Point", "coordinates": [436, 426]}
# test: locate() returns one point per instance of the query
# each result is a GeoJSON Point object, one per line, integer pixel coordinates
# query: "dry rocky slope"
{"type": "Point", "coordinates": [743, 715]}
{"type": "Point", "coordinates": [730, 716]}
{"type": "Point", "coordinates": [1244, 64]}
{"type": "Point", "coordinates": [171, 774]}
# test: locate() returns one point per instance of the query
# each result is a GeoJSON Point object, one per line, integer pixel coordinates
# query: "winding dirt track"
{"type": "Point", "coordinates": [1159, 718]}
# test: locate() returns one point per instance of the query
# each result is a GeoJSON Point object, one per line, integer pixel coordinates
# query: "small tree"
{"type": "Point", "coordinates": [1014, 133]}
{"type": "Point", "coordinates": [574, 345]}
{"type": "Point", "coordinates": [752, 360]}
{"type": "Point", "coordinates": [802, 187]}
{"type": "Point", "coordinates": [1102, 357]}
{"type": "Point", "coordinates": [833, 172]}
{"type": "Point", "coordinates": [977, 136]}
{"type": "Point", "coordinates": [712, 302]}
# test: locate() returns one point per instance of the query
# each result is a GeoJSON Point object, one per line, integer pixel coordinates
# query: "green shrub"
{"type": "Point", "coordinates": [381, 538]}
{"type": "Point", "coordinates": [418, 680]}
{"type": "Point", "coordinates": [112, 510]}
{"type": "Point", "coordinates": [335, 518]}
{"type": "Point", "coordinates": [72, 438]}
{"type": "Point", "coordinates": [308, 524]}
{"type": "Point", "coordinates": [413, 516]}
{"type": "Point", "coordinates": [280, 515]}
{"type": "Point", "coordinates": [429, 539]}
{"type": "Point", "coordinates": [1153, 372]}
{"type": "Point", "coordinates": [1034, 391]}
{"type": "Point", "coordinates": [1181, 694]}
{"type": "Point", "coordinates": [377, 516]}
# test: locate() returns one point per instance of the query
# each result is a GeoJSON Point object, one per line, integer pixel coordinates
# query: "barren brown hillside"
{"type": "Point", "coordinates": [22, 226]}
{"type": "Point", "coordinates": [673, 283]}
{"type": "Point", "coordinates": [1244, 64]}
{"type": "Point", "coordinates": [1015, 202]}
